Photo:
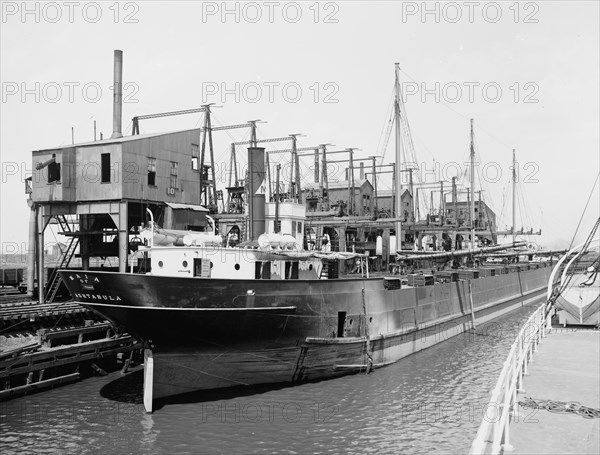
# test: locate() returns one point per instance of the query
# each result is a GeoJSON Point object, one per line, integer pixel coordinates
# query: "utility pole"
{"type": "Point", "coordinates": [442, 203]}
{"type": "Point", "coordinates": [472, 202]}
{"type": "Point", "coordinates": [454, 198]}
{"type": "Point", "coordinates": [374, 172]}
{"type": "Point", "coordinates": [412, 204]}
{"type": "Point", "coordinates": [324, 177]}
{"type": "Point", "coordinates": [294, 176]}
{"type": "Point", "coordinates": [276, 226]}
{"type": "Point", "coordinates": [351, 204]}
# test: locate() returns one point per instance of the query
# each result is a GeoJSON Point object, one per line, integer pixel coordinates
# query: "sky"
{"type": "Point", "coordinates": [526, 72]}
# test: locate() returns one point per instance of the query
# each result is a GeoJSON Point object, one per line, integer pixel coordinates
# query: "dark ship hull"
{"type": "Point", "coordinates": [212, 333]}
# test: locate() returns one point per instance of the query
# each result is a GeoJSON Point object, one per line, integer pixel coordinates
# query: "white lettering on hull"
{"type": "Point", "coordinates": [109, 298]}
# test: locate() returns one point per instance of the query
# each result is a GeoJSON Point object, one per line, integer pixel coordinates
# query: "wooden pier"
{"type": "Point", "coordinates": [46, 345]}
{"type": "Point", "coordinates": [63, 355]}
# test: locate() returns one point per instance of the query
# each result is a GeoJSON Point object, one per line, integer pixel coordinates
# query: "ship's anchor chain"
{"type": "Point", "coordinates": [561, 407]}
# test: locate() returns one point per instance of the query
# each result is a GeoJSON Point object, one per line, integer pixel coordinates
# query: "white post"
{"type": "Point", "coordinates": [148, 379]}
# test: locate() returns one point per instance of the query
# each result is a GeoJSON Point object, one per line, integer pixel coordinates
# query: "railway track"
{"type": "Point", "coordinates": [7, 299]}
{"type": "Point", "coordinates": [28, 317]}
{"type": "Point", "coordinates": [18, 310]}
{"type": "Point", "coordinates": [8, 291]}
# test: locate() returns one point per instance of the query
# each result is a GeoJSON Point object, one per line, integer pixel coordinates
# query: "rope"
{"type": "Point", "coordinates": [561, 407]}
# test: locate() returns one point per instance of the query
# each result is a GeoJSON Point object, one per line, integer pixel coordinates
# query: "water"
{"type": "Point", "coordinates": [430, 402]}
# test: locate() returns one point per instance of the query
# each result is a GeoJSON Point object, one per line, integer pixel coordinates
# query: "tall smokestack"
{"type": "Point", "coordinates": [256, 199]}
{"type": "Point", "coordinates": [117, 94]}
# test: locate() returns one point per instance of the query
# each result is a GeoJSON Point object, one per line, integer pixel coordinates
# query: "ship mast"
{"type": "Point", "coordinates": [514, 192]}
{"type": "Point", "coordinates": [472, 155]}
{"type": "Point", "coordinates": [397, 167]}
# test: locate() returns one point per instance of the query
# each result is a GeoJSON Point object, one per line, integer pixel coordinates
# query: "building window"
{"type": "Point", "coordinates": [152, 171]}
{"type": "Point", "coordinates": [54, 172]}
{"type": "Point", "coordinates": [366, 201]}
{"type": "Point", "coordinates": [105, 167]}
{"type": "Point", "coordinates": [173, 180]}
{"type": "Point", "coordinates": [195, 156]}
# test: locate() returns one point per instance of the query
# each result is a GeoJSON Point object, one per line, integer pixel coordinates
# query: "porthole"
{"type": "Point", "coordinates": [237, 266]}
{"type": "Point", "coordinates": [160, 263]}
{"type": "Point", "coordinates": [310, 267]}
{"type": "Point", "coordinates": [211, 264]}
{"type": "Point", "coordinates": [184, 263]}
{"type": "Point", "coordinates": [350, 322]}
{"type": "Point", "coordinates": [371, 319]}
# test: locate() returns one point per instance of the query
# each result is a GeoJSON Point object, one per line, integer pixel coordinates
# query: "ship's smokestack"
{"type": "Point", "coordinates": [256, 198]}
{"type": "Point", "coordinates": [117, 94]}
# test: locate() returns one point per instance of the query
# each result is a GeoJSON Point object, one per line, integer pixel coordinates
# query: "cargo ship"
{"type": "Point", "coordinates": [217, 317]}
{"type": "Point", "coordinates": [214, 313]}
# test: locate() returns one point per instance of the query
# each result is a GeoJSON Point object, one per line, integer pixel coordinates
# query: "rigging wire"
{"type": "Point", "coordinates": [386, 129]}
{"type": "Point", "coordinates": [584, 210]}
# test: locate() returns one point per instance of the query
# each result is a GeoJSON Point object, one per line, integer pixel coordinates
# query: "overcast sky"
{"type": "Point", "coordinates": [527, 72]}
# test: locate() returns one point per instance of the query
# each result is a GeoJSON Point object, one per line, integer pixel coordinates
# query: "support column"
{"type": "Point", "coordinates": [341, 232]}
{"type": "Point", "coordinates": [385, 244]}
{"type": "Point", "coordinates": [84, 247]}
{"type": "Point", "coordinates": [168, 221]}
{"type": "Point", "coordinates": [123, 237]}
{"type": "Point", "coordinates": [40, 250]}
{"type": "Point", "coordinates": [31, 249]}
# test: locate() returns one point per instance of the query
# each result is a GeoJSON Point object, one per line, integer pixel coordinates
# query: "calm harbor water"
{"type": "Point", "coordinates": [430, 402]}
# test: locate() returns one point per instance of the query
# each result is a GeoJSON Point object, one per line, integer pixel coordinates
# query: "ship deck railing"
{"type": "Point", "coordinates": [494, 428]}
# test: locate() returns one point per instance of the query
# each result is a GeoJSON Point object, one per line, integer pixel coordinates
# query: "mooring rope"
{"type": "Point", "coordinates": [561, 407]}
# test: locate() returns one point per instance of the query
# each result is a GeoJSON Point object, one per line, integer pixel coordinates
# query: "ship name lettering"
{"type": "Point", "coordinates": [110, 298]}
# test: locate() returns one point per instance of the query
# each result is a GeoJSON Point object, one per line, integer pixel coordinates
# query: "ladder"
{"type": "Point", "coordinates": [55, 280]}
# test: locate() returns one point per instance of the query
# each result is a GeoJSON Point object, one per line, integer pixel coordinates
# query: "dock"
{"type": "Point", "coordinates": [564, 369]}
{"type": "Point", "coordinates": [46, 345]}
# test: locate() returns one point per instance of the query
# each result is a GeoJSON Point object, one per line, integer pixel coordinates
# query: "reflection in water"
{"type": "Point", "coordinates": [430, 402]}
{"type": "Point", "coordinates": [149, 434]}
